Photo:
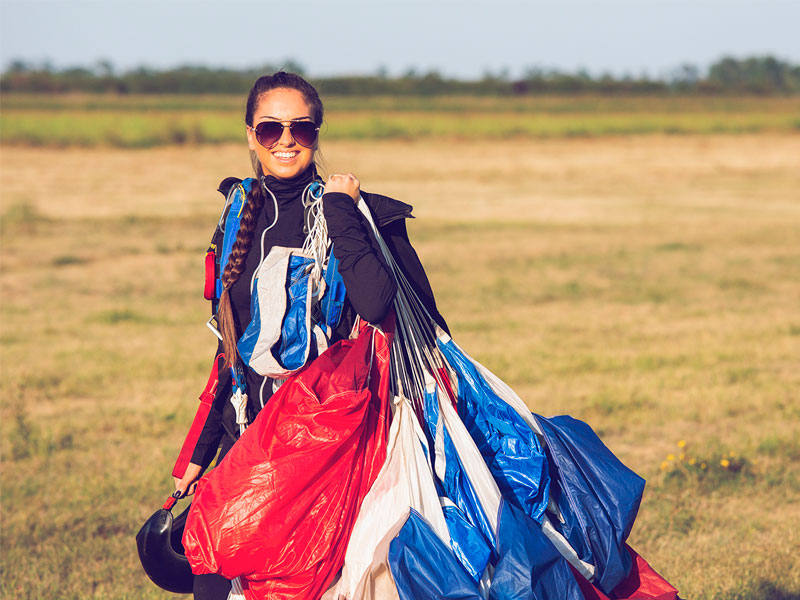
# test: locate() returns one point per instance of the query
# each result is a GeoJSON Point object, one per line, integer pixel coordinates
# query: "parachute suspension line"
{"type": "Point", "coordinates": [237, 591]}
{"type": "Point", "coordinates": [415, 353]}
{"type": "Point", "coordinates": [317, 242]}
{"type": "Point", "coordinates": [274, 220]}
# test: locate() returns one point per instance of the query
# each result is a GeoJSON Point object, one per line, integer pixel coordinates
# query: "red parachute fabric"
{"type": "Point", "coordinates": [279, 510]}
{"type": "Point", "coordinates": [642, 583]}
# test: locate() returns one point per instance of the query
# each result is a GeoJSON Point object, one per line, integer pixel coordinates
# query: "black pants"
{"type": "Point", "coordinates": [211, 587]}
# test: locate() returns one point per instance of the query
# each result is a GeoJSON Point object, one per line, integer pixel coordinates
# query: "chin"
{"type": "Point", "coordinates": [285, 171]}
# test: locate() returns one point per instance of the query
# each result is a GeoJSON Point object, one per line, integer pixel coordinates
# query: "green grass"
{"type": "Point", "coordinates": [146, 121]}
{"type": "Point", "coordinates": [620, 294]}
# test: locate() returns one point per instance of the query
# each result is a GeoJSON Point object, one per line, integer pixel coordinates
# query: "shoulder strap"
{"type": "Point", "coordinates": [228, 227]}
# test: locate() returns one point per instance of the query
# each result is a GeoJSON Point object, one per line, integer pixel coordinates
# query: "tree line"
{"type": "Point", "coordinates": [756, 75]}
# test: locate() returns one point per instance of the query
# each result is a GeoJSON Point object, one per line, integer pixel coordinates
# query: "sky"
{"type": "Point", "coordinates": [457, 38]}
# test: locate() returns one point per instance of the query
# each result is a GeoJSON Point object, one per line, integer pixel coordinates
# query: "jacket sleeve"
{"type": "Point", "coordinates": [369, 284]}
{"type": "Point", "coordinates": [395, 235]}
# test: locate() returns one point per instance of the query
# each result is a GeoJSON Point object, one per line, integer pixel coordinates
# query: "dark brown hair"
{"type": "Point", "coordinates": [255, 201]}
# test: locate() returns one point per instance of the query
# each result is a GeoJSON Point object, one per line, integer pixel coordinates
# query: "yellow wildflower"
{"type": "Point", "coordinates": [692, 461]}
{"type": "Point", "coordinates": [664, 465]}
{"type": "Point", "coordinates": [670, 456]}
{"type": "Point", "coordinates": [703, 466]}
{"type": "Point", "coordinates": [682, 444]}
{"type": "Point", "coordinates": [733, 454]}
{"type": "Point", "coordinates": [725, 463]}
{"type": "Point", "coordinates": [682, 456]}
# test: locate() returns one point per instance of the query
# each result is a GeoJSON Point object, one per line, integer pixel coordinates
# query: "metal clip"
{"type": "Point", "coordinates": [212, 325]}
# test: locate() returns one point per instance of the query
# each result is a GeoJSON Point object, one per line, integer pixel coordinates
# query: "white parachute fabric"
{"type": "Point", "coordinates": [404, 482]}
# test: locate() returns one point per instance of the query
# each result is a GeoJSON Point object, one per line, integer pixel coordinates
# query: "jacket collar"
{"type": "Point", "coordinates": [386, 210]}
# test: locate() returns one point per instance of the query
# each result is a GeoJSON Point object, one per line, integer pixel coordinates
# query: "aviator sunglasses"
{"type": "Point", "coordinates": [269, 132]}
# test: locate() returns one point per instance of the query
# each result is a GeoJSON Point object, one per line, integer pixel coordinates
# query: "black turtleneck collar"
{"type": "Point", "coordinates": [290, 189]}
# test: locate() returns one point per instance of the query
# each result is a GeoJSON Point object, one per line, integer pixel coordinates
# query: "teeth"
{"type": "Point", "coordinates": [285, 154]}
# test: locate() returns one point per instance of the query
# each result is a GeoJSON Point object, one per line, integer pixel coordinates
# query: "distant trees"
{"type": "Point", "coordinates": [758, 75]}
{"type": "Point", "coordinates": [752, 75]}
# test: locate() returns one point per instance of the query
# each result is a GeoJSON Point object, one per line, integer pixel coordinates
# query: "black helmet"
{"type": "Point", "coordinates": [161, 551]}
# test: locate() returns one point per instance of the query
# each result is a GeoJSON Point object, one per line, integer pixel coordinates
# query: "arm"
{"type": "Point", "coordinates": [203, 439]}
{"type": "Point", "coordinates": [369, 284]}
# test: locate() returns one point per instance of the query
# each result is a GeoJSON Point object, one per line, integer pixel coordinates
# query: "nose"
{"type": "Point", "coordinates": [286, 138]}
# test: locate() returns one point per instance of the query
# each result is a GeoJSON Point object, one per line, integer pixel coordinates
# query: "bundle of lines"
{"type": "Point", "coordinates": [479, 497]}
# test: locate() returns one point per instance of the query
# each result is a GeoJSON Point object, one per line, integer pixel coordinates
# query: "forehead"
{"type": "Point", "coordinates": [282, 104]}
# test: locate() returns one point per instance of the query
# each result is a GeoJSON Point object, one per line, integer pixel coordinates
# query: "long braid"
{"type": "Point", "coordinates": [234, 268]}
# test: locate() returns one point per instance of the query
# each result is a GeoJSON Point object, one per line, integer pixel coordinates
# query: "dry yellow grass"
{"type": "Point", "coordinates": [648, 285]}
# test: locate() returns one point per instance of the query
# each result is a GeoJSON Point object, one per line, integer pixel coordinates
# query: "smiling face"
{"type": "Point", "coordinates": [285, 158]}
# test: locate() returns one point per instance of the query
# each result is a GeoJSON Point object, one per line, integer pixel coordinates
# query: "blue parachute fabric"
{"type": "Point", "coordinates": [509, 446]}
{"type": "Point", "coordinates": [293, 347]}
{"type": "Point", "coordinates": [467, 542]}
{"type": "Point", "coordinates": [459, 490]}
{"type": "Point", "coordinates": [333, 300]}
{"type": "Point", "coordinates": [599, 494]}
{"type": "Point", "coordinates": [247, 343]}
{"type": "Point", "coordinates": [529, 566]}
{"type": "Point", "coordinates": [424, 568]}
{"type": "Point", "coordinates": [571, 527]}
{"type": "Point", "coordinates": [232, 223]}
{"type": "Point", "coordinates": [456, 485]}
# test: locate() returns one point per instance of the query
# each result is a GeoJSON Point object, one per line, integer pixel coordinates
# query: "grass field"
{"type": "Point", "coordinates": [646, 284]}
{"type": "Point", "coordinates": [146, 121]}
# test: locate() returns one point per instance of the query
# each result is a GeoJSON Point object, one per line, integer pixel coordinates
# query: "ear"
{"type": "Point", "coordinates": [251, 139]}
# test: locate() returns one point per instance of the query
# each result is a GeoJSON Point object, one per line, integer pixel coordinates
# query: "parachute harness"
{"type": "Point", "coordinates": [316, 246]}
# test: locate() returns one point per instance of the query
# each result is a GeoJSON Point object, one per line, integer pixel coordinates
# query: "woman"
{"type": "Point", "coordinates": [283, 117]}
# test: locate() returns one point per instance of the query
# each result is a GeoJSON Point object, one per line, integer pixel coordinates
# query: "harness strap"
{"type": "Point", "coordinates": [206, 398]}
{"type": "Point", "coordinates": [210, 286]}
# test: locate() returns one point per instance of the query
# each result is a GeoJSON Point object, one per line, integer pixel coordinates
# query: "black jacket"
{"type": "Point", "coordinates": [370, 287]}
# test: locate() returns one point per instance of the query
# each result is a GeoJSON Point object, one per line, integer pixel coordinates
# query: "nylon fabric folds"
{"type": "Point", "coordinates": [529, 567]}
{"type": "Point", "coordinates": [295, 332]}
{"type": "Point", "coordinates": [404, 482]}
{"type": "Point", "coordinates": [278, 511]}
{"type": "Point", "coordinates": [335, 292]}
{"type": "Point", "coordinates": [599, 496]}
{"type": "Point", "coordinates": [461, 472]}
{"type": "Point", "coordinates": [642, 583]}
{"type": "Point", "coordinates": [470, 543]}
{"type": "Point", "coordinates": [424, 568]}
{"type": "Point", "coordinates": [508, 445]}
{"type": "Point", "coordinates": [281, 286]}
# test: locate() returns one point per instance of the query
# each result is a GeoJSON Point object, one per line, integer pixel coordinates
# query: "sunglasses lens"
{"type": "Point", "coordinates": [304, 133]}
{"type": "Point", "coordinates": [268, 132]}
